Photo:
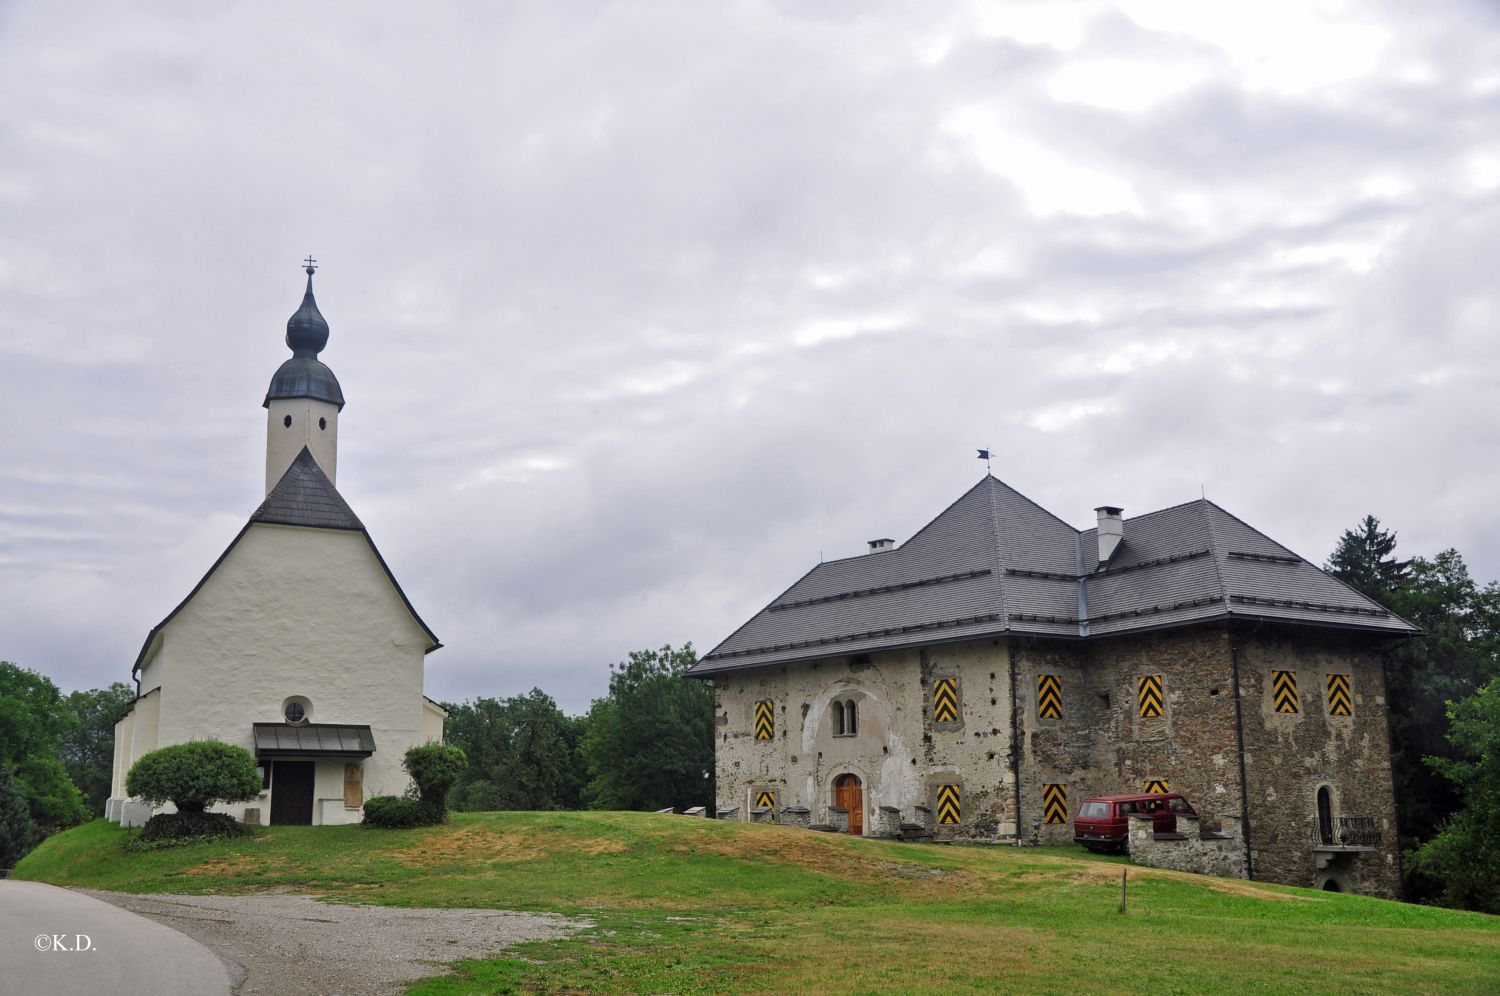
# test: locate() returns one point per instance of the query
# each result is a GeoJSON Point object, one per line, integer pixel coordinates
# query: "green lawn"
{"type": "Point", "coordinates": [682, 905]}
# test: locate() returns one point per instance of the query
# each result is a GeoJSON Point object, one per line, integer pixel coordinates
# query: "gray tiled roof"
{"type": "Point", "coordinates": [995, 562]}
{"type": "Point", "coordinates": [326, 739]}
{"type": "Point", "coordinates": [306, 497]}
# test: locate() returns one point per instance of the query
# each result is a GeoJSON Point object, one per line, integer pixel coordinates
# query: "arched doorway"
{"type": "Point", "coordinates": [1325, 816]}
{"type": "Point", "coordinates": [849, 793]}
{"type": "Point", "coordinates": [1332, 885]}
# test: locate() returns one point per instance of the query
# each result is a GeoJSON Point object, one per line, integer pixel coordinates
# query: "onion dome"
{"type": "Point", "coordinates": [304, 375]}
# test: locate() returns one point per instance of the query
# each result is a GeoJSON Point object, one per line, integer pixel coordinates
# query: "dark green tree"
{"type": "Point", "coordinates": [1465, 854]}
{"type": "Point", "coordinates": [1363, 560]}
{"type": "Point", "coordinates": [88, 748]}
{"type": "Point", "coordinates": [1456, 653]}
{"type": "Point", "coordinates": [33, 723]}
{"type": "Point", "coordinates": [523, 753]}
{"type": "Point", "coordinates": [18, 832]}
{"type": "Point", "coordinates": [649, 743]}
{"type": "Point", "coordinates": [194, 775]}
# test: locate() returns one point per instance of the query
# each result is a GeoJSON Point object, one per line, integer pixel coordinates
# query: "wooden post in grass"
{"type": "Point", "coordinates": [1124, 877]}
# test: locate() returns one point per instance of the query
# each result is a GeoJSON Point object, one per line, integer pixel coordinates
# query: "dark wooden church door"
{"type": "Point", "coordinates": [849, 793]}
{"type": "Point", "coordinates": [292, 793]}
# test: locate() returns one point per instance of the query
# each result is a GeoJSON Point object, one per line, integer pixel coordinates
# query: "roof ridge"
{"type": "Point", "coordinates": [1213, 549]}
{"type": "Point", "coordinates": [1027, 498]}
{"type": "Point", "coordinates": [995, 545]}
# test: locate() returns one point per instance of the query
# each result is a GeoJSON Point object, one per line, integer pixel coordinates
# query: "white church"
{"type": "Point", "coordinates": [298, 644]}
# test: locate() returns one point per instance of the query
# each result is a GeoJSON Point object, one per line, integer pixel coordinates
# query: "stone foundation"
{"type": "Point", "coordinates": [1189, 849]}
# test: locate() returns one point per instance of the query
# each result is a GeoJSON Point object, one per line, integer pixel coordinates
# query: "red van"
{"type": "Point", "coordinates": [1103, 823]}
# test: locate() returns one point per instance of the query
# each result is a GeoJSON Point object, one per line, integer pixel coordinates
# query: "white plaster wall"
{"type": "Point", "coordinates": [145, 731]}
{"type": "Point", "coordinates": [122, 754]}
{"type": "Point", "coordinates": [898, 754]}
{"type": "Point", "coordinates": [292, 611]}
{"type": "Point", "coordinates": [284, 442]}
{"type": "Point", "coordinates": [432, 722]}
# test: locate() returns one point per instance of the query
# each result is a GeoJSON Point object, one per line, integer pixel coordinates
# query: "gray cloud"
{"type": "Point", "coordinates": [640, 310]}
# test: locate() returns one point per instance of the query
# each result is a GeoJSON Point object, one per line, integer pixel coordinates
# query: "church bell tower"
{"type": "Point", "coordinates": [304, 401]}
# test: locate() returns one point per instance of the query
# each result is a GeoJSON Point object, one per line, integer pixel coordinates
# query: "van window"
{"type": "Point", "coordinates": [1093, 811]}
{"type": "Point", "coordinates": [1179, 805]}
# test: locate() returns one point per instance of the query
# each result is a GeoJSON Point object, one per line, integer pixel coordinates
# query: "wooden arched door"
{"type": "Point", "coordinates": [849, 793]}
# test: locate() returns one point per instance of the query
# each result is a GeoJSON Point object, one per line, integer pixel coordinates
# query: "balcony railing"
{"type": "Point", "coordinates": [1346, 831]}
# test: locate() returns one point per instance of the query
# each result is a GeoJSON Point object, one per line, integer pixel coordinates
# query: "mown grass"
{"type": "Point", "coordinates": [682, 905]}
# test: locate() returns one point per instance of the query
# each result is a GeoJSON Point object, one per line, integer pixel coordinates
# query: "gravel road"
{"type": "Point", "coordinates": [282, 944]}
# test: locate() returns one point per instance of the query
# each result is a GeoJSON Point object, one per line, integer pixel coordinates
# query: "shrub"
{"type": "Point", "coordinates": [18, 834]}
{"type": "Point", "coordinates": [435, 769]}
{"type": "Point", "coordinates": [171, 829]}
{"type": "Point", "coordinates": [394, 812]}
{"type": "Point", "coordinates": [194, 775]}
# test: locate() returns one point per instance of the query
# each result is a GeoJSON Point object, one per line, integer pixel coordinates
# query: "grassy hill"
{"type": "Point", "coordinates": [683, 905]}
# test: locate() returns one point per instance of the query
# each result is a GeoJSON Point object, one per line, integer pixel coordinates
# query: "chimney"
{"type": "Point", "coordinates": [881, 545]}
{"type": "Point", "coordinates": [1111, 531]}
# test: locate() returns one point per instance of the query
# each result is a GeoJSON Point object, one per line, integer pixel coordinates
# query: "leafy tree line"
{"type": "Point", "coordinates": [647, 744]}
{"type": "Point", "coordinates": [56, 755]}
{"type": "Point", "coordinates": [1443, 692]}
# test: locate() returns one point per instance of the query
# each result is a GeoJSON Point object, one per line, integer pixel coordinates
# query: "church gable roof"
{"type": "Point", "coordinates": [303, 497]}
{"type": "Point", "coordinates": [996, 562]}
{"type": "Point", "coordinates": [306, 497]}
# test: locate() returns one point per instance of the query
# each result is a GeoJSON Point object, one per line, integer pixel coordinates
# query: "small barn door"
{"type": "Point", "coordinates": [292, 793]}
{"type": "Point", "coordinates": [848, 793]}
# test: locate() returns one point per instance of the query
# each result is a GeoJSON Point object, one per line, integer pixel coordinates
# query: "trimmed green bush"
{"type": "Point", "coordinates": [394, 812]}
{"type": "Point", "coordinates": [435, 769]}
{"type": "Point", "coordinates": [194, 775]}
{"type": "Point", "coordinates": [170, 829]}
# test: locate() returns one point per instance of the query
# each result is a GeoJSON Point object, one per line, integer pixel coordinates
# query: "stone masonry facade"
{"type": "Point", "coordinates": [1008, 768]}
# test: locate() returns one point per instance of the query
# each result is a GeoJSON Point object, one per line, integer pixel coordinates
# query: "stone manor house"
{"type": "Point", "coordinates": [986, 676]}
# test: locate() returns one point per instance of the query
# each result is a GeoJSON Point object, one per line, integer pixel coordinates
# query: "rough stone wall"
{"type": "Point", "coordinates": [1222, 854]}
{"type": "Point", "coordinates": [899, 754]}
{"type": "Point", "coordinates": [1101, 745]}
{"type": "Point", "coordinates": [1288, 756]}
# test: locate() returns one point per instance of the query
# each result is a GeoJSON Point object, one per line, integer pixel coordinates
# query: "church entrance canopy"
{"type": "Point", "coordinates": [313, 740]}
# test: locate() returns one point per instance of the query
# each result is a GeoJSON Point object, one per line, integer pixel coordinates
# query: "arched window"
{"type": "Point", "coordinates": [838, 719]}
{"type": "Point", "coordinates": [851, 719]}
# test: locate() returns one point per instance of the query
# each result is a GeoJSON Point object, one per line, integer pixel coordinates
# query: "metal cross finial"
{"type": "Point", "coordinates": [311, 264]}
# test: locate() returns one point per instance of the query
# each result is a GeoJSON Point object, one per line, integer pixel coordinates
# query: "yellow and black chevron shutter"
{"type": "Point", "coordinates": [1155, 785]}
{"type": "Point", "coordinates": [1284, 691]}
{"type": "Point", "coordinates": [1055, 803]}
{"type": "Point", "coordinates": [1339, 702]}
{"type": "Point", "coordinates": [1148, 695]}
{"type": "Point", "coordinates": [765, 720]}
{"type": "Point", "coordinates": [947, 804]}
{"type": "Point", "coordinates": [945, 700]}
{"type": "Point", "coordinates": [765, 799]}
{"type": "Point", "coordinates": [1049, 696]}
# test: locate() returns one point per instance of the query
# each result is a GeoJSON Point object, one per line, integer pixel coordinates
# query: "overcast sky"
{"type": "Point", "coordinates": [641, 309]}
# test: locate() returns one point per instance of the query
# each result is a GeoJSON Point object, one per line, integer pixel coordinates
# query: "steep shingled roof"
{"type": "Point", "coordinates": [303, 497]}
{"type": "Point", "coordinates": [306, 497]}
{"type": "Point", "coordinates": [995, 562]}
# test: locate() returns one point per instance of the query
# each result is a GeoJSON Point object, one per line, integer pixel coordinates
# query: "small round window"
{"type": "Point", "coordinates": [322, 423]}
{"type": "Point", "coordinates": [287, 421]}
{"type": "Point", "coordinates": [297, 710]}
